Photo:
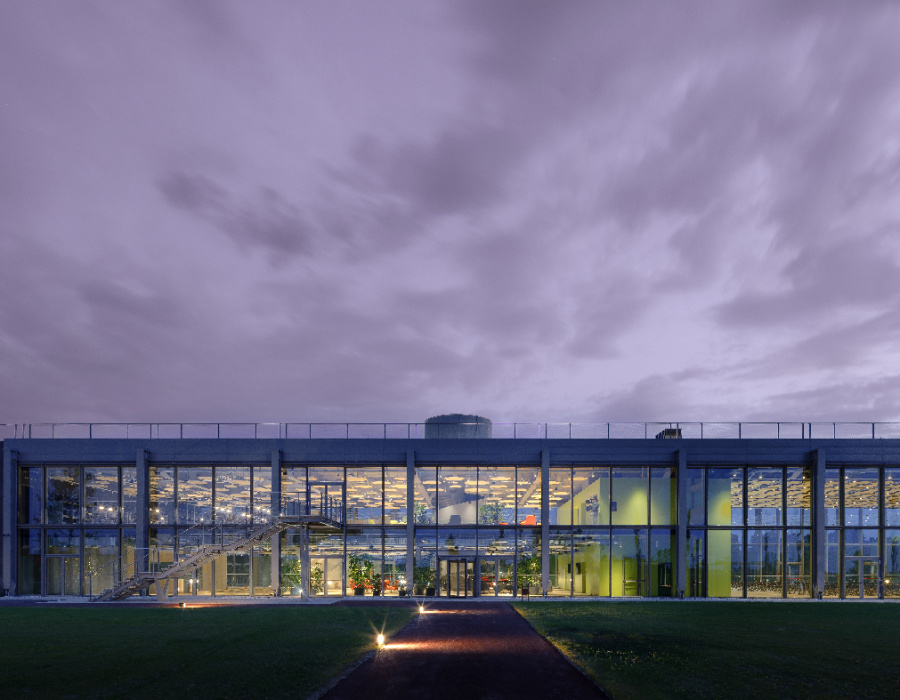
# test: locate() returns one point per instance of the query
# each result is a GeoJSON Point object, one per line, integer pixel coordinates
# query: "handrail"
{"type": "Point", "coordinates": [792, 430]}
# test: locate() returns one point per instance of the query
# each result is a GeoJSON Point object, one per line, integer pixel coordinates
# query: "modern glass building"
{"type": "Point", "coordinates": [455, 507]}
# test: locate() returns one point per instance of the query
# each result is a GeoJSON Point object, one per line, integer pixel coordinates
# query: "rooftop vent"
{"type": "Point", "coordinates": [669, 434]}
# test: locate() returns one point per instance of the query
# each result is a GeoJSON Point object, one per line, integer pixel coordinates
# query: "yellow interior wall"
{"type": "Point", "coordinates": [630, 496]}
{"type": "Point", "coordinates": [719, 501]}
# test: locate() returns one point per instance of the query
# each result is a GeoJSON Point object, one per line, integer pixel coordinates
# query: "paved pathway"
{"type": "Point", "coordinates": [483, 651]}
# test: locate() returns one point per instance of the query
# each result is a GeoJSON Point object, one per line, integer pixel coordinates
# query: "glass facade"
{"type": "Point", "coordinates": [478, 529]}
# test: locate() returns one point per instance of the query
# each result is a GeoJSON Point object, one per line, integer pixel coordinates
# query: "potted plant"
{"type": "Point", "coordinates": [529, 573]}
{"type": "Point", "coordinates": [356, 574]}
{"type": "Point", "coordinates": [423, 580]}
{"type": "Point", "coordinates": [291, 577]}
{"type": "Point", "coordinates": [316, 580]}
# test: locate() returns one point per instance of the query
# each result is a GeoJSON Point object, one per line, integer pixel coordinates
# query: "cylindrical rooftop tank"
{"type": "Point", "coordinates": [457, 425]}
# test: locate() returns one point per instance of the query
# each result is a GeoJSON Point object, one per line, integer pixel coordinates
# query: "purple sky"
{"type": "Point", "coordinates": [356, 211]}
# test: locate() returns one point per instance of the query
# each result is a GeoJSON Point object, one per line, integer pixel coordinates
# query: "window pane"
{"type": "Point", "coordinates": [560, 496]}
{"type": "Point", "coordinates": [725, 565]}
{"type": "Point", "coordinates": [560, 564]}
{"type": "Point", "coordinates": [892, 563]}
{"type": "Point", "coordinates": [528, 560]}
{"type": "Point", "coordinates": [861, 497]}
{"type": "Point", "coordinates": [725, 497]}
{"type": "Point", "coordinates": [591, 496]}
{"type": "Point", "coordinates": [696, 501]}
{"type": "Point", "coordinates": [364, 493]}
{"type": "Point", "coordinates": [395, 496]}
{"type": "Point", "coordinates": [696, 565]}
{"type": "Point", "coordinates": [799, 490]}
{"type": "Point", "coordinates": [832, 497]}
{"type": "Point", "coordinates": [629, 498]}
{"type": "Point", "coordinates": [291, 569]}
{"type": "Point", "coordinates": [591, 555]}
{"type": "Point", "coordinates": [426, 562]}
{"type": "Point", "coordinates": [63, 495]}
{"type": "Point", "coordinates": [194, 495]}
{"type": "Point", "coordinates": [892, 496]}
{"type": "Point", "coordinates": [528, 495]}
{"type": "Point", "coordinates": [799, 563]}
{"type": "Point", "coordinates": [129, 495]}
{"type": "Point", "coordinates": [394, 574]}
{"type": "Point", "coordinates": [662, 496]}
{"type": "Point", "coordinates": [232, 504]}
{"type": "Point", "coordinates": [101, 553]}
{"type": "Point", "coordinates": [293, 490]}
{"type": "Point", "coordinates": [832, 564]}
{"type": "Point", "coordinates": [425, 491]}
{"type": "Point", "coordinates": [29, 569]}
{"type": "Point", "coordinates": [457, 495]}
{"type": "Point", "coordinates": [496, 495]}
{"type": "Point", "coordinates": [262, 495]}
{"type": "Point", "coordinates": [101, 496]}
{"type": "Point", "coordinates": [662, 552]}
{"type": "Point", "coordinates": [261, 567]}
{"type": "Point", "coordinates": [860, 543]}
{"type": "Point", "coordinates": [63, 541]}
{"type": "Point", "coordinates": [162, 495]}
{"type": "Point", "coordinates": [764, 496]}
{"type": "Point", "coordinates": [764, 557]}
{"type": "Point", "coordinates": [30, 496]}
{"type": "Point", "coordinates": [629, 562]}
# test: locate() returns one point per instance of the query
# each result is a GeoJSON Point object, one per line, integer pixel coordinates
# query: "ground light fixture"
{"type": "Point", "coordinates": [421, 609]}
{"type": "Point", "coordinates": [381, 640]}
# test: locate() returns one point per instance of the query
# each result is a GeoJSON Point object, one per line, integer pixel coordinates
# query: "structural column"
{"type": "Point", "coordinates": [545, 521]}
{"type": "Point", "coordinates": [681, 533]}
{"type": "Point", "coordinates": [142, 520]}
{"type": "Point", "coordinates": [819, 554]}
{"type": "Point", "coordinates": [9, 546]}
{"type": "Point", "coordinates": [275, 506]}
{"type": "Point", "coordinates": [410, 521]}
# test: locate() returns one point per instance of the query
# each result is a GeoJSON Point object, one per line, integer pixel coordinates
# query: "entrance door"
{"type": "Point", "coordinates": [63, 575]}
{"type": "Point", "coordinates": [457, 577]}
{"type": "Point", "coordinates": [326, 576]}
{"type": "Point", "coordinates": [861, 577]}
{"type": "Point", "coordinates": [496, 576]}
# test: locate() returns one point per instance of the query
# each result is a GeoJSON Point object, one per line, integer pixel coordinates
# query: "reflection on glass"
{"type": "Point", "coordinates": [764, 496]}
{"type": "Point", "coordinates": [861, 497]}
{"type": "Point", "coordinates": [101, 550]}
{"type": "Point", "coordinates": [629, 497]}
{"type": "Point", "coordinates": [292, 569]}
{"type": "Point", "coordinates": [63, 495]}
{"type": "Point", "coordinates": [860, 543]}
{"type": "Point", "coordinates": [764, 559]}
{"type": "Point", "coordinates": [101, 495]}
{"type": "Point", "coordinates": [364, 563]}
{"type": "Point", "coordinates": [799, 495]}
{"type": "Point", "coordinates": [725, 497]}
{"type": "Point", "coordinates": [293, 489]}
{"type": "Point", "coordinates": [591, 571]}
{"type": "Point", "coordinates": [591, 496]}
{"type": "Point", "coordinates": [892, 497]}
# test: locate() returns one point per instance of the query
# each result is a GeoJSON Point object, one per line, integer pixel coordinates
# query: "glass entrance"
{"type": "Point", "coordinates": [326, 575]}
{"type": "Point", "coordinates": [496, 576]}
{"type": "Point", "coordinates": [63, 575]}
{"type": "Point", "coordinates": [457, 577]}
{"type": "Point", "coordinates": [861, 577]}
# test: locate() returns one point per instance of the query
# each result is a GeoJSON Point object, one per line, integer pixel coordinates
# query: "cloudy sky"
{"type": "Point", "coordinates": [357, 211]}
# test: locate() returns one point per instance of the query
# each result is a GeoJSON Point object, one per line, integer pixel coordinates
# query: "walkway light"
{"type": "Point", "coordinates": [421, 608]}
{"type": "Point", "coordinates": [381, 640]}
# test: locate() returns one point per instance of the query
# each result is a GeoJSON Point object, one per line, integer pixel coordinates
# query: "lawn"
{"type": "Point", "coordinates": [241, 652]}
{"type": "Point", "coordinates": [728, 650]}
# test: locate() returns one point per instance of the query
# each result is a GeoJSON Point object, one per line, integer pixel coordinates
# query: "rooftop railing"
{"type": "Point", "coordinates": [417, 431]}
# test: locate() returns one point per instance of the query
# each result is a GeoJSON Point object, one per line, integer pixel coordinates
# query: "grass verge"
{"type": "Point", "coordinates": [271, 652]}
{"type": "Point", "coordinates": [728, 650]}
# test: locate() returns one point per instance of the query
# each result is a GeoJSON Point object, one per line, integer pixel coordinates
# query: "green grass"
{"type": "Point", "coordinates": [236, 652]}
{"type": "Point", "coordinates": [728, 650]}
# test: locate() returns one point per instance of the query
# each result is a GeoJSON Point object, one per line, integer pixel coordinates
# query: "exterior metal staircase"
{"type": "Point", "coordinates": [138, 569]}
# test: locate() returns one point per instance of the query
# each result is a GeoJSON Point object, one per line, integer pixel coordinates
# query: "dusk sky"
{"type": "Point", "coordinates": [382, 211]}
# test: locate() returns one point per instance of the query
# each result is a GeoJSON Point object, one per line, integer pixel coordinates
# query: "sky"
{"type": "Point", "coordinates": [379, 212]}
